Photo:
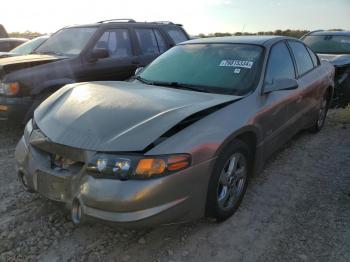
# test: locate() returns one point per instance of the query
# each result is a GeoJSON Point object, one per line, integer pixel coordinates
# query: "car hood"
{"type": "Point", "coordinates": [118, 116]}
{"type": "Point", "coordinates": [336, 59]}
{"type": "Point", "coordinates": [13, 63]}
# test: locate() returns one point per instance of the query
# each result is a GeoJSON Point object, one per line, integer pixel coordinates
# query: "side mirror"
{"type": "Point", "coordinates": [138, 70]}
{"type": "Point", "coordinates": [99, 53]}
{"type": "Point", "coordinates": [279, 84]}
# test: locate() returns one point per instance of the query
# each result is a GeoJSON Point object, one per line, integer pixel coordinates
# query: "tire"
{"type": "Point", "coordinates": [24, 183]}
{"type": "Point", "coordinates": [226, 189]}
{"type": "Point", "coordinates": [322, 114]}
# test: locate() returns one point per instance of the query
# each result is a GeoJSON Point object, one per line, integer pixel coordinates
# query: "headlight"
{"type": "Point", "coordinates": [9, 89]}
{"type": "Point", "coordinates": [138, 167]}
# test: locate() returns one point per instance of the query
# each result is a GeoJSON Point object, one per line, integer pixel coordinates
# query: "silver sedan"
{"type": "Point", "coordinates": [180, 140]}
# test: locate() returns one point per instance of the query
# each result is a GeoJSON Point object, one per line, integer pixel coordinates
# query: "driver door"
{"type": "Point", "coordinates": [278, 106]}
{"type": "Point", "coordinates": [120, 63]}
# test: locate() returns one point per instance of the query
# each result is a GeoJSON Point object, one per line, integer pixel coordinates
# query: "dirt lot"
{"type": "Point", "coordinates": [298, 209]}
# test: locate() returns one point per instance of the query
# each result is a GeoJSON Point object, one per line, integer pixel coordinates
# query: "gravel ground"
{"type": "Point", "coordinates": [298, 209]}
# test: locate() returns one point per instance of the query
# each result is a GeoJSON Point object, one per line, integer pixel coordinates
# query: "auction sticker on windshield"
{"type": "Point", "coordinates": [237, 63]}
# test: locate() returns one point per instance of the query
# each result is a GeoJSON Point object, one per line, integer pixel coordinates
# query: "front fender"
{"type": "Point", "coordinates": [51, 86]}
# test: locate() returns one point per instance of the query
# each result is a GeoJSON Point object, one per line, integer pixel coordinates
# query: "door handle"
{"type": "Point", "coordinates": [135, 63]}
{"type": "Point", "coordinates": [300, 98]}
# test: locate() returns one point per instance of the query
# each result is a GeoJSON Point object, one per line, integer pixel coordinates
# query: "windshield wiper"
{"type": "Point", "coordinates": [184, 86]}
{"type": "Point", "coordinates": [178, 85]}
{"type": "Point", "coordinates": [144, 81]}
{"type": "Point", "coordinates": [48, 53]}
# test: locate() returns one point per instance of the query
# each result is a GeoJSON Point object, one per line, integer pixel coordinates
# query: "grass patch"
{"type": "Point", "coordinates": [343, 115]}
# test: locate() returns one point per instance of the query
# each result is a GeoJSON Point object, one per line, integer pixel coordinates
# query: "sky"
{"type": "Point", "coordinates": [197, 16]}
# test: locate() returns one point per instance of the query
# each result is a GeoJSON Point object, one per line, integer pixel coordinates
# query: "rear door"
{"type": "Point", "coordinates": [309, 76]}
{"type": "Point", "coordinates": [151, 43]}
{"type": "Point", "coordinates": [121, 62]}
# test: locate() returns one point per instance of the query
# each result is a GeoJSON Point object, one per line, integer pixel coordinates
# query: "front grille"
{"type": "Point", "coordinates": [43, 143]}
{"type": "Point", "coordinates": [53, 187]}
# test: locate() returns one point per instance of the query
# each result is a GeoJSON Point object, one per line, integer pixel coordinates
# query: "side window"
{"type": "Point", "coordinates": [161, 42]}
{"type": "Point", "coordinates": [280, 64]}
{"type": "Point", "coordinates": [302, 57]}
{"type": "Point", "coordinates": [147, 41]}
{"type": "Point", "coordinates": [313, 57]}
{"type": "Point", "coordinates": [177, 35]}
{"type": "Point", "coordinates": [117, 42]}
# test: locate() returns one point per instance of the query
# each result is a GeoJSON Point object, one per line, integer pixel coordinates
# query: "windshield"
{"type": "Point", "coordinates": [67, 42]}
{"type": "Point", "coordinates": [217, 68]}
{"type": "Point", "coordinates": [328, 44]}
{"type": "Point", "coordinates": [29, 46]}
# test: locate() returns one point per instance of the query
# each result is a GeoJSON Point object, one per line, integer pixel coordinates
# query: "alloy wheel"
{"type": "Point", "coordinates": [232, 180]}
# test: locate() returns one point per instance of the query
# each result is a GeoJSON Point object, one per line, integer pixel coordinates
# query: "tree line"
{"type": "Point", "coordinates": [288, 32]}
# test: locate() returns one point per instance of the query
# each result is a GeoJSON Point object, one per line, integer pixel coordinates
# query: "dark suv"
{"type": "Point", "coordinates": [107, 50]}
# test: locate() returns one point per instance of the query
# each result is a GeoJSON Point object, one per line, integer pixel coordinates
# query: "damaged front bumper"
{"type": "Point", "coordinates": [175, 198]}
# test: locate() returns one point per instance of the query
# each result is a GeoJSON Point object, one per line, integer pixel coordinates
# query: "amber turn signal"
{"type": "Point", "coordinates": [150, 166]}
{"type": "Point", "coordinates": [156, 166]}
{"type": "Point", "coordinates": [13, 88]}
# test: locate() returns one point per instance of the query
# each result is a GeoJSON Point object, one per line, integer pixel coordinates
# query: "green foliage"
{"type": "Point", "coordinates": [288, 32]}
{"type": "Point", "coordinates": [26, 34]}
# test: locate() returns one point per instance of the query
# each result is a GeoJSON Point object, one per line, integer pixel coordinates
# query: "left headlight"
{"type": "Point", "coordinates": [9, 89]}
{"type": "Point", "coordinates": [138, 167]}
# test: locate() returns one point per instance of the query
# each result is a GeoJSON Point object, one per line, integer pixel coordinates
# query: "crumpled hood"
{"type": "Point", "coordinates": [10, 64]}
{"type": "Point", "coordinates": [117, 116]}
{"type": "Point", "coordinates": [336, 60]}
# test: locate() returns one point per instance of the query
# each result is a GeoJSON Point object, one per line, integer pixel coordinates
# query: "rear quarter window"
{"type": "Point", "coordinates": [177, 35]}
{"type": "Point", "coordinates": [313, 57]}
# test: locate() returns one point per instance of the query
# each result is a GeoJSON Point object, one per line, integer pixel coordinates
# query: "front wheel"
{"type": "Point", "coordinates": [229, 181]}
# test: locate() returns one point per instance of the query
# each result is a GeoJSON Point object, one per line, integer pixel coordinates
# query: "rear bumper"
{"type": "Point", "coordinates": [14, 108]}
{"type": "Point", "coordinates": [176, 198]}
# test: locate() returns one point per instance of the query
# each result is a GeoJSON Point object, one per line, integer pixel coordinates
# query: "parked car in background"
{"type": "Point", "coordinates": [334, 46]}
{"type": "Point", "coordinates": [183, 138]}
{"type": "Point", "coordinates": [3, 33]}
{"type": "Point", "coordinates": [6, 44]}
{"type": "Point", "coordinates": [108, 50]}
{"type": "Point", "coordinates": [25, 48]}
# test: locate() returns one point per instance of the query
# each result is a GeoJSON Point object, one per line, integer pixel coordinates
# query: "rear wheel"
{"type": "Point", "coordinates": [229, 181]}
{"type": "Point", "coordinates": [322, 114]}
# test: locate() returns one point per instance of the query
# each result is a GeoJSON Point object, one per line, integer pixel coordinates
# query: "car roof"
{"type": "Point", "coordinates": [264, 40]}
{"type": "Point", "coordinates": [130, 22]}
{"type": "Point", "coordinates": [13, 39]}
{"type": "Point", "coordinates": [324, 32]}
